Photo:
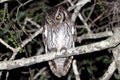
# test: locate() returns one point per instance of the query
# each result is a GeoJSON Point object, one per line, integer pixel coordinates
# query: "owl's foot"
{"type": "Point", "coordinates": [63, 50]}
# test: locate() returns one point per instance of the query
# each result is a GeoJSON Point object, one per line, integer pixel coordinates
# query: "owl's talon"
{"type": "Point", "coordinates": [63, 50]}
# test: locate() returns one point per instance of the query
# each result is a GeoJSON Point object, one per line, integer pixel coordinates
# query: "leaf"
{"type": "Point", "coordinates": [89, 70]}
{"type": "Point", "coordinates": [117, 76]}
{"type": "Point", "coordinates": [21, 15]}
{"type": "Point", "coordinates": [42, 77]}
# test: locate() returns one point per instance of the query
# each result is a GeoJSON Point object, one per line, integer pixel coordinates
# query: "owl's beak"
{"type": "Point", "coordinates": [55, 23]}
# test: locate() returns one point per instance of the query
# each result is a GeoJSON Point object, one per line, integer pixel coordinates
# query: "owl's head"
{"type": "Point", "coordinates": [56, 15]}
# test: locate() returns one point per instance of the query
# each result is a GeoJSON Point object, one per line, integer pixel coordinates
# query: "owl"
{"type": "Point", "coordinates": [59, 32]}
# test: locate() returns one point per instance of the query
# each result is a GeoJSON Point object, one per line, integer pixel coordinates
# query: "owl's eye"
{"type": "Point", "coordinates": [58, 17]}
{"type": "Point", "coordinates": [49, 19]}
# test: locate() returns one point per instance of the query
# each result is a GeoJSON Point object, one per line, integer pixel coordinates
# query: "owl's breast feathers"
{"type": "Point", "coordinates": [60, 37]}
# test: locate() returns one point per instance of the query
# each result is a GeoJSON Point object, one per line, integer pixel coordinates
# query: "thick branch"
{"type": "Point", "coordinates": [108, 43]}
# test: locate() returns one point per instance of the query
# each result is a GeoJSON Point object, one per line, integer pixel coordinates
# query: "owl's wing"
{"type": "Point", "coordinates": [75, 34]}
{"type": "Point", "coordinates": [44, 36]}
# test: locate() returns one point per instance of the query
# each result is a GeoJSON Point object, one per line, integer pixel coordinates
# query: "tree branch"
{"type": "Point", "coordinates": [75, 70]}
{"type": "Point", "coordinates": [107, 75]}
{"type": "Point", "coordinates": [1, 1]}
{"type": "Point", "coordinates": [108, 43]}
{"type": "Point", "coordinates": [95, 36]}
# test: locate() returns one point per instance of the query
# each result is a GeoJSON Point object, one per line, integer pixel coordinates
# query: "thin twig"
{"type": "Point", "coordinates": [107, 75]}
{"type": "Point", "coordinates": [75, 70]}
{"type": "Point", "coordinates": [39, 73]}
{"type": "Point", "coordinates": [7, 45]}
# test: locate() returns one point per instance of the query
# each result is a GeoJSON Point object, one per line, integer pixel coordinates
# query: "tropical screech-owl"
{"type": "Point", "coordinates": [58, 35]}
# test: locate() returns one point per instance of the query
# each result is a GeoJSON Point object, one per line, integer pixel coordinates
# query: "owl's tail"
{"type": "Point", "coordinates": [60, 66]}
